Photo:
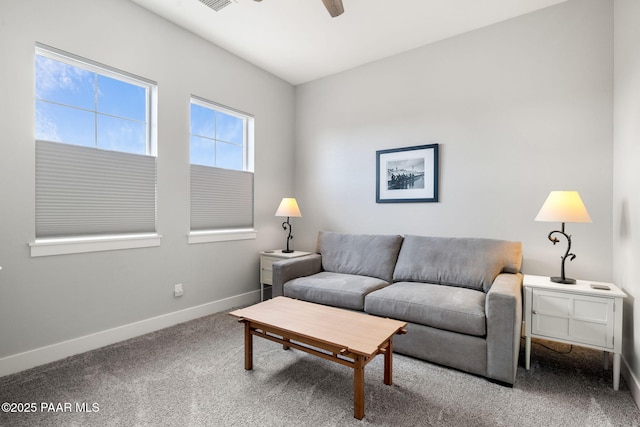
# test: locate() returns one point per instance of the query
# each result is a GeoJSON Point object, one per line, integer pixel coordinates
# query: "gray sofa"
{"type": "Point", "coordinates": [461, 297]}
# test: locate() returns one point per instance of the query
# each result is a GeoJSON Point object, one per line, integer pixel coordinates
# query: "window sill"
{"type": "Point", "coordinates": [77, 245]}
{"type": "Point", "coordinates": [221, 235]}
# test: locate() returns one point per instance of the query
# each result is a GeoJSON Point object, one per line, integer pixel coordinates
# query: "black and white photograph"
{"type": "Point", "coordinates": [403, 174]}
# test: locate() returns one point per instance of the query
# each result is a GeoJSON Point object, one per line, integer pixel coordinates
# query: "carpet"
{"type": "Point", "coordinates": [192, 374]}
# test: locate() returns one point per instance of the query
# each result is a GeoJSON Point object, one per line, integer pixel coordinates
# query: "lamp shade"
{"type": "Point", "coordinates": [288, 207]}
{"type": "Point", "coordinates": [563, 206]}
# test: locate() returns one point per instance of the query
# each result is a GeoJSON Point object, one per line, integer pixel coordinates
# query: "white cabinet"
{"type": "Point", "coordinates": [267, 258]}
{"type": "Point", "coordinates": [577, 318]}
{"type": "Point", "coordinates": [574, 314]}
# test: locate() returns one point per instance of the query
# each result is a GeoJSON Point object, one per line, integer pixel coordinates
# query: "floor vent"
{"type": "Point", "coordinates": [216, 4]}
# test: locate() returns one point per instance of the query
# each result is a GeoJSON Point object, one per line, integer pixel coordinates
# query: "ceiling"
{"type": "Point", "coordinates": [298, 41]}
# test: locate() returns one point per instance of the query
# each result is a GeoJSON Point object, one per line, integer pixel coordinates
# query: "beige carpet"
{"type": "Point", "coordinates": [192, 375]}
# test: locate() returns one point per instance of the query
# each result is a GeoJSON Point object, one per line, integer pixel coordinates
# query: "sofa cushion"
{"type": "Point", "coordinates": [443, 307]}
{"type": "Point", "coordinates": [336, 289]}
{"type": "Point", "coordinates": [361, 254]}
{"type": "Point", "coordinates": [467, 262]}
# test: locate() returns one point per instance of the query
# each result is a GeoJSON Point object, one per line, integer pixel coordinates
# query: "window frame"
{"type": "Point", "coordinates": [47, 246]}
{"type": "Point", "coordinates": [226, 234]}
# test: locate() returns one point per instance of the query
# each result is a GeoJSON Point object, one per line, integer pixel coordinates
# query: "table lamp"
{"type": "Point", "coordinates": [289, 208]}
{"type": "Point", "coordinates": [563, 206]}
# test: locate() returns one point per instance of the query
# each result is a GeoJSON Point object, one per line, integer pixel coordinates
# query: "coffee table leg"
{"type": "Point", "coordinates": [248, 347]}
{"type": "Point", "coordinates": [358, 387]}
{"type": "Point", "coordinates": [388, 363]}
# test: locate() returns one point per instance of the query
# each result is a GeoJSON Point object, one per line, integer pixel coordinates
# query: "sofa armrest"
{"type": "Point", "coordinates": [504, 326]}
{"type": "Point", "coordinates": [292, 268]}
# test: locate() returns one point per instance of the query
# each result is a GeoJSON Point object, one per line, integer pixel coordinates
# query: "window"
{"type": "Point", "coordinates": [221, 173]}
{"type": "Point", "coordinates": [217, 137]}
{"type": "Point", "coordinates": [95, 150]}
{"type": "Point", "coordinates": [80, 103]}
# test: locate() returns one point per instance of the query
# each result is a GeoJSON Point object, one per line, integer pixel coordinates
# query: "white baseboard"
{"type": "Point", "coordinates": [631, 381]}
{"type": "Point", "coordinates": [40, 356]}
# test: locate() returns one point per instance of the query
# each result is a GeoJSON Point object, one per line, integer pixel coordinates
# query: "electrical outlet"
{"type": "Point", "coordinates": [177, 290]}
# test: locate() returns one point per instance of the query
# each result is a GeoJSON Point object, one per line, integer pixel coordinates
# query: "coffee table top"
{"type": "Point", "coordinates": [358, 333]}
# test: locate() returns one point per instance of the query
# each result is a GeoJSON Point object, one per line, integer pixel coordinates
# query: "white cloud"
{"type": "Point", "coordinates": [46, 129]}
{"type": "Point", "coordinates": [54, 75]}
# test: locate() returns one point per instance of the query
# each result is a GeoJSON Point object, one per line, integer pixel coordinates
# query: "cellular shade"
{"type": "Point", "coordinates": [88, 191]}
{"type": "Point", "coordinates": [221, 198]}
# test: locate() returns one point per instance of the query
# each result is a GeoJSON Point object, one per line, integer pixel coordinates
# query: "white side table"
{"type": "Point", "coordinates": [574, 314]}
{"type": "Point", "coordinates": [267, 258]}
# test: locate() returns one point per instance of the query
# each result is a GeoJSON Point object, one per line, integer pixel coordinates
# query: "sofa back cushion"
{"type": "Point", "coordinates": [467, 262]}
{"type": "Point", "coordinates": [362, 254]}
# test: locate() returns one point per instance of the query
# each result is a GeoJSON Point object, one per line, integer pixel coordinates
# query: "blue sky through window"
{"type": "Point", "coordinates": [82, 107]}
{"type": "Point", "coordinates": [216, 138]}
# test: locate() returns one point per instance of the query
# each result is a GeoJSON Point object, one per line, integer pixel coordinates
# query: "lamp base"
{"type": "Point", "coordinates": [287, 251]}
{"type": "Point", "coordinates": [565, 281]}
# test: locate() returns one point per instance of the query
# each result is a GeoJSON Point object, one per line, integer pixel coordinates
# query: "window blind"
{"type": "Point", "coordinates": [220, 198]}
{"type": "Point", "coordinates": [88, 191]}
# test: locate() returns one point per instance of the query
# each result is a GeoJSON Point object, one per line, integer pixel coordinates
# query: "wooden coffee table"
{"type": "Point", "coordinates": [346, 337]}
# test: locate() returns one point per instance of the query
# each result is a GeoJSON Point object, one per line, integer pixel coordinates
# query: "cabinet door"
{"type": "Point", "coordinates": [580, 319]}
{"type": "Point", "coordinates": [266, 266]}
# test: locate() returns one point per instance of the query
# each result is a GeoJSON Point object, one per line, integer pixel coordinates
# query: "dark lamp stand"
{"type": "Point", "coordinates": [562, 279]}
{"type": "Point", "coordinates": [287, 226]}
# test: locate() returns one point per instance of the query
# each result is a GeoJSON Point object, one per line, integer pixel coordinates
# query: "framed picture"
{"type": "Point", "coordinates": [407, 175]}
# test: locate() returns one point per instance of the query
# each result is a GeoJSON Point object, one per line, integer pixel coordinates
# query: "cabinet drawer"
{"type": "Point", "coordinates": [579, 318]}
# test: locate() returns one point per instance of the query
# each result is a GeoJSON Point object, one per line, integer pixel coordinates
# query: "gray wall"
{"type": "Point", "coordinates": [52, 299]}
{"type": "Point", "coordinates": [626, 194]}
{"type": "Point", "coordinates": [519, 108]}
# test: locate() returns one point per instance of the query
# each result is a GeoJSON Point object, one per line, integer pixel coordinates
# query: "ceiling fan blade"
{"type": "Point", "coordinates": [334, 7]}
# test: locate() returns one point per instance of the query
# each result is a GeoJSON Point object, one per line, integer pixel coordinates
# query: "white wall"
{"type": "Point", "coordinates": [44, 301]}
{"type": "Point", "coordinates": [626, 194]}
{"type": "Point", "coordinates": [519, 108]}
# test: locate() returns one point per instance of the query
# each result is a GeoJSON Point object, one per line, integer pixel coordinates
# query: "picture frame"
{"type": "Point", "coordinates": [407, 175]}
